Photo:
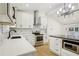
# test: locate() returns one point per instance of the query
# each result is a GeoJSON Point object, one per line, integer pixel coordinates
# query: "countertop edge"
{"type": "Point", "coordinates": [62, 37]}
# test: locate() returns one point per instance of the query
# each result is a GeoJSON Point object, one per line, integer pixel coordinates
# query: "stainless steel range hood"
{"type": "Point", "coordinates": [35, 17]}
{"type": "Point", "coordinates": [37, 21]}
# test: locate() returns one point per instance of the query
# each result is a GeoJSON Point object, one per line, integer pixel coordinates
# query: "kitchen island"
{"type": "Point", "coordinates": [16, 47]}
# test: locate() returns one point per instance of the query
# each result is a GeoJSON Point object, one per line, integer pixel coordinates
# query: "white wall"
{"type": "Point", "coordinates": [43, 20]}
{"type": "Point", "coordinates": [61, 25]}
{"type": "Point", "coordinates": [54, 27]}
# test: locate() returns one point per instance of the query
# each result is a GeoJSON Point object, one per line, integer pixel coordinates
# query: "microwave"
{"type": "Point", "coordinates": [71, 47]}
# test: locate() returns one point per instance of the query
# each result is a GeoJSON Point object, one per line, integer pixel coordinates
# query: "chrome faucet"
{"type": "Point", "coordinates": [10, 33]}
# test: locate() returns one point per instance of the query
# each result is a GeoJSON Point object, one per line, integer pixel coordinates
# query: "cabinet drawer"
{"type": "Point", "coordinates": [57, 39]}
{"type": "Point", "coordinates": [56, 45]}
{"type": "Point", "coordinates": [57, 51]}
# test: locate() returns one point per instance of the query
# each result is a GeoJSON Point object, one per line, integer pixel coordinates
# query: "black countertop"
{"type": "Point", "coordinates": [62, 37]}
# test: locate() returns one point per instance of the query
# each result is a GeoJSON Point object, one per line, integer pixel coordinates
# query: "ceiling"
{"type": "Point", "coordinates": [49, 9]}
{"type": "Point", "coordinates": [42, 7]}
{"type": "Point", "coordinates": [69, 19]}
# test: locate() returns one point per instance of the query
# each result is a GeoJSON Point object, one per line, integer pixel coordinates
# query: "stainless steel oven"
{"type": "Point", "coordinates": [71, 46]}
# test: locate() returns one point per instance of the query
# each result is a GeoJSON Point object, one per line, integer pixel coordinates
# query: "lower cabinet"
{"type": "Point", "coordinates": [30, 38]}
{"type": "Point", "coordinates": [55, 45]}
{"type": "Point", "coordinates": [45, 40]}
{"type": "Point", "coordinates": [67, 53]}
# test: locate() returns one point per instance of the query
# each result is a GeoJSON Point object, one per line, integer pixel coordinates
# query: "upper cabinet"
{"type": "Point", "coordinates": [43, 22]}
{"type": "Point", "coordinates": [24, 19]}
{"type": "Point", "coordinates": [3, 9]}
{"type": "Point", "coordinates": [6, 13]}
{"type": "Point", "coordinates": [11, 13]}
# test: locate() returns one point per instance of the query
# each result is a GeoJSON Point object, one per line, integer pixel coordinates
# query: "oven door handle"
{"type": "Point", "coordinates": [70, 43]}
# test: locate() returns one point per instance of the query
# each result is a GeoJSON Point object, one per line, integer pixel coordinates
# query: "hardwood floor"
{"type": "Point", "coordinates": [44, 51]}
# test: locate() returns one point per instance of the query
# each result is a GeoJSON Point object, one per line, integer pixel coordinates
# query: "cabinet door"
{"type": "Point", "coordinates": [3, 8]}
{"type": "Point", "coordinates": [24, 20]}
{"type": "Point", "coordinates": [55, 45]}
{"type": "Point", "coordinates": [3, 13]}
{"type": "Point", "coordinates": [27, 20]}
{"type": "Point", "coordinates": [30, 38]}
{"type": "Point", "coordinates": [51, 43]}
{"type": "Point", "coordinates": [45, 40]}
{"type": "Point", "coordinates": [11, 12]}
{"type": "Point", "coordinates": [19, 19]}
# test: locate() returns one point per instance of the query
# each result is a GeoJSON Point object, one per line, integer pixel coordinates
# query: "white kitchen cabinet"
{"type": "Point", "coordinates": [55, 45]}
{"type": "Point", "coordinates": [43, 22]}
{"type": "Point", "coordinates": [4, 11]}
{"type": "Point", "coordinates": [45, 40]}
{"type": "Point", "coordinates": [51, 43]}
{"type": "Point", "coordinates": [27, 20]}
{"type": "Point", "coordinates": [67, 53]}
{"type": "Point", "coordinates": [18, 19]}
{"type": "Point", "coordinates": [30, 38]}
{"type": "Point", "coordinates": [24, 20]}
{"type": "Point", "coordinates": [11, 13]}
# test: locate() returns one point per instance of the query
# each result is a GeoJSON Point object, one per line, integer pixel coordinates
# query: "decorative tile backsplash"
{"type": "Point", "coordinates": [22, 30]}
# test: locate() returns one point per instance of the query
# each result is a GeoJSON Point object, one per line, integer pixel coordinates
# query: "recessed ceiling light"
{"type": "Point", "coordinates": [27, 5]}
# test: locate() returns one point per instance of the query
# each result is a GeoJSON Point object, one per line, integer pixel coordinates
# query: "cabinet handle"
{"type": "Point", "coordinates": [14, 13]}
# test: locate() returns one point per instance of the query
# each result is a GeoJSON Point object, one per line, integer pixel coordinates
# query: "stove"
{"type": "Point", "coordinates": [39, 39]}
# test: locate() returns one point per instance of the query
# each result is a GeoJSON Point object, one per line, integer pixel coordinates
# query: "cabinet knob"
{"type": "Point", "coordinates": [13, 12]}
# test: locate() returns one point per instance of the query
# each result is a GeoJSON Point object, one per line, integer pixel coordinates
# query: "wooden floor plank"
{"type": "Point", "coordinates": [44, 51]}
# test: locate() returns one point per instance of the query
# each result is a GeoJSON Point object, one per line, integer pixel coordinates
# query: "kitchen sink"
{"type": "Point", "coordinates": [15, 37]}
